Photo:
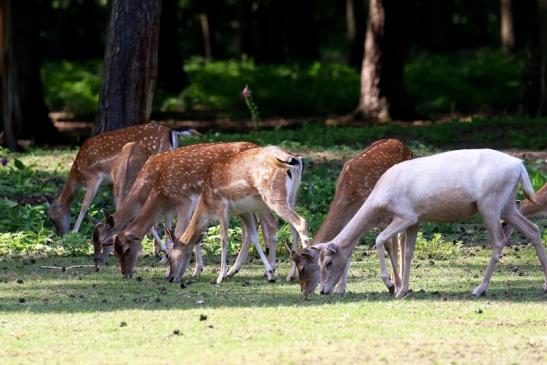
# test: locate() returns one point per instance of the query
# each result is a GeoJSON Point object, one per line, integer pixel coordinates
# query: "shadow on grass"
{"type": "Point", "coordinates": [29, 288]}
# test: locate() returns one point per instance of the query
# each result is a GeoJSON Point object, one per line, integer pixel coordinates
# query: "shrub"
{"type": "Point", "coordinates": [436, 248]}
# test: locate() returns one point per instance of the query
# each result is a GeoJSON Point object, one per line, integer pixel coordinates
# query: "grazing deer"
{"type": "Point", "coordinates": [140, 190]}
{"type": "Point", "coordinates": [125, 168]}
{"type": "Point", "coordinates": [250, 182]}
{"type": "Point", "coordinates": [93, 166]}
{"type": "Point", "coordinates": [355, 182]}
{"type": "Point", "coordinates": [531, 209]}
{"type": "Point", "coordinates": [176, 188]}
{"type": "Point", "coordinates": [446, 187]}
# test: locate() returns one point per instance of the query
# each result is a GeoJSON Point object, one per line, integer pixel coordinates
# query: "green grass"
{"type": "Point", "coordinates": [85, 317]}
{"type": "Point", "coordinates": [76, 316]}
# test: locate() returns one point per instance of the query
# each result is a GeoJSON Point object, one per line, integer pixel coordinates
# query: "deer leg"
{"type": "Point", "coordinates": [184, 214]}
{"type": "Point", "coordinates": [90, 192]}
{"type": "Point", "coordinates": [406, 257]}
{"type": "Point", "coordinates": [492, 223]}
{"type": "Point", "coordinates": [299, 227]}
{"type": "Point", "coordinates": [224, 247]}
{"type": "Point", "coordinates": [398, 224]}
{"type": "Point", "coordinates": [531, 231]}
{"type": "Point", "coordinates": [392, 249]}
{"type": "Point", "coordinates": [158, 244]}
{"type": "Point", "coordinates": [268, 226]}
{"type": "Point", "coordinates": [341, 285]}
{"type": "Point", "coordinates": [242, 256]}
{"type": "Point", "coordinates": [250, 222]}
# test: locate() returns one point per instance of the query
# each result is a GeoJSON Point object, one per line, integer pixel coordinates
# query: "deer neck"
{"type": "Point", "coordinates": [365, 218]}
{"type": "Point", "coordinates": [338, 216]}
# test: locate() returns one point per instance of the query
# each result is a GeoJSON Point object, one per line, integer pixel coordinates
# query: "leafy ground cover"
{"type": "Point", "coordinates": [84, 316]}
{"type": "Point", "coordinates": [482, 80]}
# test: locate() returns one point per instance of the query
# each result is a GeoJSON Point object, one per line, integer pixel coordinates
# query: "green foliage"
{"type": "Point", "coordinates": [72, 87]}
{"type": "Point", "coordinates": [483, 79]}
{"type": "Point", "coordinates": [495, 132]}
{"type": "Point", "coordinates": [471, 81]}
{"type": "Point", "coordinates": [294, 90]}
{"type": "Point", "coordinates": [28, 177]}
{"type": "Point", "coordinates": [436, 248]}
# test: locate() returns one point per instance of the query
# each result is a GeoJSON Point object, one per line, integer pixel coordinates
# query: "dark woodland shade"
{"type": "Point", "coordinates": [24, 112]}
{"type": "Point", "coordinates": [130, 64]}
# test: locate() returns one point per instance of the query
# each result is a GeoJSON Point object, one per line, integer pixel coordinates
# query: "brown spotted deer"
{"type": "Point", "coordinates": [144, 183]}
{"type": "Point", "coordinates": [250, 182]}
{"type": "Point", "coordinates": [177, 188]}
{"type": "Point", "coordinates": [530, 209]}
{"type": "Point", "coordinates": [446, 187]}
{"type": "Point", "coordinates": [355, 182]}
{"type": "Point", "coordinates": [93, 166]}
{"type": "Point", "coordinates": [125, 168]}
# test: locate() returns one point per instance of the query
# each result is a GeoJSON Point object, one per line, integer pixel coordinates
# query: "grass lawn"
{"type": "Point", "coordinates": [85, 317]}
{"type": "Point", "coordinates": [82, 316]}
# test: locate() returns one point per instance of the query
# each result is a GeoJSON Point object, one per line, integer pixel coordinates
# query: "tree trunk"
{"type": "Point", "coordinates": [355, 29]}
{"type": "Point", "coordinates": [383, 64]}
{"type": "Point", "coordinates": [542, 22]}
{"type": "Point", "coordinates": [507, 34]}
{"type": "Point", "coordinates": [25, 114]}
{"type": "Point", "coordinates": [130, 64]}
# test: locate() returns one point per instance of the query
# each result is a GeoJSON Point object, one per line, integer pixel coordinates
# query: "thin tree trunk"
{"type": "Point", "coordinates": [506, 26]}
{"type": "Point", "coordinates": [204, 22]}
{"type": "Point", "coordinates": [383, 64]}
{"type": "Point", "coordinates": [25, 114]}
{"type": "Point", "coordinates": [355, 29]}
{"type": "Point", "coordinates": [542, 22]}
{"type": "Point", "coordinates": [130, 64]}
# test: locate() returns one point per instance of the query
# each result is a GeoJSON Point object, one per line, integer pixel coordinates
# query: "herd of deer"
{"type": "Point", "coordinates": [153, 181]}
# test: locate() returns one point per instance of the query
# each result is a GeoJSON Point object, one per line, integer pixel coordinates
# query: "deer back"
{"type": "Point", "coordinates": [356, 181]}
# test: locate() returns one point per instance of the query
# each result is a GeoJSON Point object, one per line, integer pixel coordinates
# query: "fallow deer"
{"type": "Point", "coordinates": [445, 187]}
{"type": "Point", "coordinates": [530, 209]}
{"type": "Point", "coordinates": [140, 190]}
{"type": "Point", "coordinates": [355, 182]}
{"type": "Point", "coordinates": [250, 182]}
{"type": "Point", "coordinates": [177, 189]}
{"type": "Point", "coordinates": [93, 166]}
{"type": "Point", "coordinates": [125, 168]}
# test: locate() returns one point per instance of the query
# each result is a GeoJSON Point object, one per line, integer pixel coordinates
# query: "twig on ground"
{"type": "Point", "coordinates": [65, 268]}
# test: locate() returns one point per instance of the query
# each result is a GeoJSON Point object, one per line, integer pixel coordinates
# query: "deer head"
{"type": "Point", "coordinates": [102, 238]}
{"type": "Point", "coordinates": [332, 264]}
{"type": "Point", "coordinates": [308, 268]}
{"type": "Point", "coordinates": [178, 257]}
{"type": "Point", "coordinates": [127, 248]}
{"type": "Point", "coordinates": [59, 215]}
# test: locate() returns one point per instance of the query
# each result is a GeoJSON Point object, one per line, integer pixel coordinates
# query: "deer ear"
{"type": "Point", "coordinates": [170, 234]}
{"type": "Point", "coordinates": [332, 247]}
{"type": "Point", "coordinates": [94, 220]}
{"type": "Point", "coordinates": [309, 252]}
{"type": "Point", "coordinates": [289, 249]}
{"type": "Point", "coordinates": [108, 219]}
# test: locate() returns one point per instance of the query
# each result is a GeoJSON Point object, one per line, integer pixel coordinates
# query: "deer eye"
{"type": "Point", "coordinates": [329, 264]}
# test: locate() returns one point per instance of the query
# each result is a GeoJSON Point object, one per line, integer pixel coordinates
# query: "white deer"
{"type": "Point", "coordinates": [445, 187]}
